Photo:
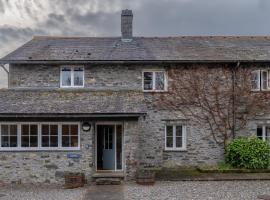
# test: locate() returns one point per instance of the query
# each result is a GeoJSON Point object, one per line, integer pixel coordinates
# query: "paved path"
{"type": "Point", "coordinates": [106, 192]}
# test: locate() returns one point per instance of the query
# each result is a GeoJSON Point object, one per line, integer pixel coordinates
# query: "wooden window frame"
{"type": "Point", "coordinates": [153, 71]}
{"type": "Point", "coordinates": [39, 147]}
{"type": "Point", "coordinates": [184, 138]}
{"type": "Point", "coordinates": [72, 77]}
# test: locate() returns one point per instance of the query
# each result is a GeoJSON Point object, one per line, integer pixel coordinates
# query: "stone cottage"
{"type": "Point", "coordinates": [86, 104]}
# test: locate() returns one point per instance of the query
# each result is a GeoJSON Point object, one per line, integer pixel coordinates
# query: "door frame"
{"type": "Point", "coordinates": [115, 157]}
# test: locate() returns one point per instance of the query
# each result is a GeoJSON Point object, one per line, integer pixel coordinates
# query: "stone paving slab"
{"type": "Point", "coordinates": [106, 192]}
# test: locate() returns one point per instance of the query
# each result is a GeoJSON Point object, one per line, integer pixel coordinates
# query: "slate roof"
{"type": "Point", "coordinates": [73, 101]}
{"type": "Point", "coordinates": [188, 48]}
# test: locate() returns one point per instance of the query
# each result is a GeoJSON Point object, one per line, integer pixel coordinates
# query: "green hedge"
{"type": "Point", "coordinates": [249, 153]}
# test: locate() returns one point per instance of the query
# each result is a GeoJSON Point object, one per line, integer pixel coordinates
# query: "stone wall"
{"type": "Point", "coordinates": [144, 141]}
{"type": "Point", "coordinates": [97, 77]}
{"type": "Point", "coordinates": [201, 149]}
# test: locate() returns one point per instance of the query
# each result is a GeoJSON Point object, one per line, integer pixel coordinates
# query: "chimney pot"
{"type": "Point", "coordinates": [126, 25]}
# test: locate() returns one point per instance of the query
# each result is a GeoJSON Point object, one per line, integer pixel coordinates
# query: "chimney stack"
{"type": "Point", "coordinates": [126, 25]}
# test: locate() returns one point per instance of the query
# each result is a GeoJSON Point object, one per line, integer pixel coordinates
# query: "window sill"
{"type": "Point", "coordinates": [38, 149]}
{"type": "Point", "coordinates": [175, 150]}
{"type": "Point", "coordinates": [155, 91]}
{"type": "Point", "coordinates": [267, 90]}
{"type": "Point", "coordinates": [71, 87]}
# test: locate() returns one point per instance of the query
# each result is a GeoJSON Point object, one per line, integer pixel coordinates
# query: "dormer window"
{"type": "Point", "coordinates": [72, 76]}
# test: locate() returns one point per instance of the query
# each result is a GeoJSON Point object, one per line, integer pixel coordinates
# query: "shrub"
{"type": "Point", "coordinates": [249, 153]}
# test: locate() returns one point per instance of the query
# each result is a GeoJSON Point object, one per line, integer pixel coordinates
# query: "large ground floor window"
{"type": "Point", "coordinates": [39, 136]}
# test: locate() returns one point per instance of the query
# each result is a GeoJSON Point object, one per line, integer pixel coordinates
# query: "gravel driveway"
{"type": "Point", "coordinates": [50, 192]}
{"type": "Point", "coordinates": [182, 190]}
{"type": "Point", "coordinates": [195, 190]}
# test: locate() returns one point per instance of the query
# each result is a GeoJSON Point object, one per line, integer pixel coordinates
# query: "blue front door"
{"type": "Point", "coordinates": [108, 147]}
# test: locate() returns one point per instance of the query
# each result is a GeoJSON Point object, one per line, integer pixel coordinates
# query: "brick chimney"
{"type": "Point", "coordinates": [126, 25]}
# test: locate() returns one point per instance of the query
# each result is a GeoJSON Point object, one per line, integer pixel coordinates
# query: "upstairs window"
{"type": "Point", "coordinates": [154, 81]}
{"type": "Point", "coordinates": [72, 76]}
{"type": "Point", "coordinates": [260, 80]}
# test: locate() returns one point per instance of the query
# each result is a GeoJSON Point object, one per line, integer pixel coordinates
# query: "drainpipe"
{"type": "Point", "coordinates": [234, 98]}
{"type": "Point", "coordinates": [5, 69]}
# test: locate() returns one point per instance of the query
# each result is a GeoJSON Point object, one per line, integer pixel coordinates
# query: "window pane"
{"type": "Point", "coordinates": [78, 76]}
{"type": "Point", "coordinates": [264, 80]}
{"type": "Point", "coordinates": [255, 80]}
{"type": "Point", "coordinates": [179, 131]}
{"type": "Point", "coordinates": [13, 141]}
{"type": "Point", "coordinates": [179, 142]}
{"type": "Point", "coordinates": [65, 129]}
{"type": "Point", "coordinates": [54, 130]}
{"type": "Point", "coordinates": [74, 141]}
{"type": "Point", "coordinates": [4, 130]}
{"type": "Point", "coordinates": [267, 133]}
{"type": "Point", "coordinates": [259, 133]}
{"type": "Point", "coordinates": [33, 130]}
{"type": "Point", "coordinates": [13, 129]}
{"type": "Point", "coordinates": [5, 141]}
{"type": "Point", "coordinates": [169, 142]}
{"type": "Point", "coordinates": [169, 130]}
{"type": "Point", "coordinates": [74, 129]}
{"type": "Point", "coordinates": [33, 141]}
{"type": "Point", "coordinates": [45, 141]}
{"type": "Point", "coordinates": [65, 141]}
{"type": "Point", "coordinates": [148, 80]}
{"type": "Point", "coordinates": [25, 129]}
{"type": "Point", "coordinates": [160, 80]}
{"type": "Point", "coordinates": [25, 141]}
{"type": "Point", "coordinates": [66, 76]}
{"type": "Point", "coordinates": [45, 130]}
{"type": "Point", "coordinates": [54, 141]}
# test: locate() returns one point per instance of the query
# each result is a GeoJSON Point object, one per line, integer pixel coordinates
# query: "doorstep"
{"type": "Point", "coordinates": [108, 174]}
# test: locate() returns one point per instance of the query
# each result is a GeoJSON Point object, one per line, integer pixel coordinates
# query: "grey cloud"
{"type": "Point", "coordinates": [10, 32]}
{"type": "Point", "coordinates": [54, 20]}
{"type": "Point", "coordinates": [2, 10]}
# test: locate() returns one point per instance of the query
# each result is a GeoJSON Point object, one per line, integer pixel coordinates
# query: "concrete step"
{"type": "Point", "coordinates": [108, 181]}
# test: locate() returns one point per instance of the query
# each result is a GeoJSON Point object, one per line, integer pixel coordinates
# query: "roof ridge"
{"type": "Point", "coordinates": [176, 36]}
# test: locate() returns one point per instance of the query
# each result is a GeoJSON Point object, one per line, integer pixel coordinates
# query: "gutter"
{"type": "Point", "coordinates": [126, 61]}
{"type": "Point", "coordinates": [69, 116]}
{"type": "Point", "coordinates": [234, 97]}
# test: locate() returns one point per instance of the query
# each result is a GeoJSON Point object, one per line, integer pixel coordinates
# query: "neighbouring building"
{"type": "Point", "coordinates": [87, 104]}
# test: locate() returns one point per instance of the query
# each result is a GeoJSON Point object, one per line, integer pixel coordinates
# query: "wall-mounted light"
{"type": "Point", "coordinates": [86, 126]}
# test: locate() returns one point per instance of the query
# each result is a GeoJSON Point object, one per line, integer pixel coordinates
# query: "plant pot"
{"type": "Point", "coordinates": [146, 178]}
{"type": "Point", "coordinates": [74, 181]}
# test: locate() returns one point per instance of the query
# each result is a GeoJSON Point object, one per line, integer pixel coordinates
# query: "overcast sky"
{"type": "Point", "coordinates": [21, 19]}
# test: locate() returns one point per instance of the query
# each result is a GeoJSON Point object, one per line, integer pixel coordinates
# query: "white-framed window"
{"type": "Point", "coordinates": [39, 136]}
{"type": "Point", "coordinates": [263, 132]}
{"type": "Point", "coordinates": [154, 80]}
{"type": "Point", "coordinates": [175, 137]}
{"type": "Point", "coordinates": [260, 80]}
{"type": "Point", "coordinates": [72, 76]}
{"type": "Point", "coordinates": [9, 135]}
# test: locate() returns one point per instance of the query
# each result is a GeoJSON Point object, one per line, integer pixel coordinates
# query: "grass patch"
{"type": "Point", "coordinates": [176, 173]}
